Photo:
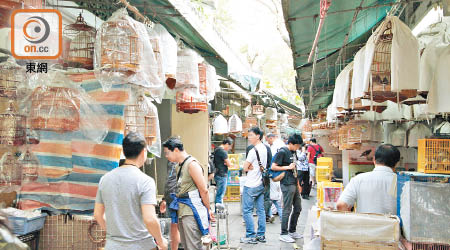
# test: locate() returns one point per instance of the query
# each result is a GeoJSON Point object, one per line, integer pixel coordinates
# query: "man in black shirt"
{"type": "Point", "coordinates": [221, 163]}
{"type": "Point", "coordinates": [285, 161]}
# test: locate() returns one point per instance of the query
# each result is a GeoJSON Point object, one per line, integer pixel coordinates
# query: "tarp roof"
{"type": "Point", "coordinates": [302, 19]}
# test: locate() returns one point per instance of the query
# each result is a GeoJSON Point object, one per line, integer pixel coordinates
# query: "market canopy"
{"type": "Point", "coordinates": [302, 20]}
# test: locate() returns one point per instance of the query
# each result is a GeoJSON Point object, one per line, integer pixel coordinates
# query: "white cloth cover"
{"type": "Point", "coordinates": [220, 125]}
{"type": "Point", "coordinates": [340, 95]}
{"type": "Point", "coordinates": [428, 65]}
{"type": "Point", "coordinates": [443, 128]}
{"type": "Point", "coordinates": [271, 114]}
{"type": "Point", "coordinates": [438, 100]}
{"type": "Point", "coordinates": [358, 83]}
{"type": "Point", "coordinates": [169, 49]}
{"type": "Point", "coordinates": [404, 56]}
{"type": "Point", "coordinates": [398, 137]}
{"type": "Point", "coordinates": [359, 227]}
{"type": "Point", "coordinates": [418, 131]}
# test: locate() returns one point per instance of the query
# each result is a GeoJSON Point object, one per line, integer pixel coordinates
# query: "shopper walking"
{"type": "Point", "coordinates": [127, 198]}
{"type": "Point", "coordinates": [285, 160]}
{"type": "Point", "coordinates": [169, 188]}
{"type": "Point", "coordinates": [222, 163]}
{"type": "Point", "coordinates": [315, 151]}
{"type": "Point", "coordinates": [192, 199]}
{"type": "Point", "coordinates": [253, 193]}
{"type": "Point", "coordinates": [303, 172]}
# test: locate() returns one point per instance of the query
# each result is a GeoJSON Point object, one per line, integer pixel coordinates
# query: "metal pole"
{"type": "Point", "coordinates": [312, 76]}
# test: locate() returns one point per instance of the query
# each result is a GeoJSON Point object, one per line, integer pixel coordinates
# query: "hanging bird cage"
{"type": "Point", "coordinates": [235, 124]}
{"type": "Point", "coordinates": [258, 109]}
{"type": "Point", "coordinates": [81, 49]}
{"type": "Point", "coordinates": [55, 109]}
{"type": "Point", "coordinates": [193, 100]}
{"type": "Point", "coordinates": [30, 166]}
{"type": "Point", "coordinates": [121, 47]}
{"type": "Point", "coordinates": [187, 69]}
{"type": "Point", "coordinates": [141, 119]}
{"type": "Point", "coordinates": [271, 114]}
{"type": "Point", "coordinates": [249, 123]}
{"type": "Point", "coordinates": [11, 170]}
{"type": "Point", "coordinates": [220, 125]}
{"type": "Point", "coordinates": [380, 86]}
{"type": "Point", "coordinates": [202, 79]}
{"type": "Point", "coordinates": [12, 127]}
{"type": "Point", "coordinates": [11, 75]}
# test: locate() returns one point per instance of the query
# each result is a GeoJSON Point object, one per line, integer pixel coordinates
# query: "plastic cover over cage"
{"type": "Point", "coordinates": [57, 104]}
{"type": "Point", "coordinates": [425, 212]}
{"type": "Point", "coordinates": [30, 166]}
{"type": "Point", "coordinates": [190, 101]}
{"type": "Point", "coordinates": [11, 75]}
{"type": "Point", "coordinates": [142, 117]}
{"type": "Point", "coordinates": [187, 69]}
{"type": "Point", "coordinates": [81, 49]}
{"type": "Point", "coordinates": [12, 127]}
{"type": "Point", "coordinates": [212, 83]}
{"type": "Point", "coordinates": [169, 49]}
{"type": "Point", "coordinates": [124, 54]}
{"type": "Point", "coordinates": [10, 169]}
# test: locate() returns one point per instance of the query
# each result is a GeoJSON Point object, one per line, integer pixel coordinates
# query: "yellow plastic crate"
{"type": "Point", "coordinates": [325, 162]}
{"type": "Point", "coordinates": [433, 156]}
{"type": "Point", "coordinates": [233, 194]}
{"type": "Point", "coordinates": [328, 193]}
{"type": "Point", "coordinates": [323, 174]}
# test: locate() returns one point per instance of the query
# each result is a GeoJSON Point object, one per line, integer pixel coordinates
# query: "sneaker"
{"type": "Point", "coordinates": [286, 238]}
{"type": "Point", "coordinates": [271, 219]}
{"type": "Point", "coordinates": [261, 239]}
{"type": "Point", "coordinates": [249, 240]}
{"type": "Point", "coordinates": [295, 235]}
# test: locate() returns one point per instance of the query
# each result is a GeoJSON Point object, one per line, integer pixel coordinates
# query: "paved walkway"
{"type": "Point", "coordinates": [237, 228]}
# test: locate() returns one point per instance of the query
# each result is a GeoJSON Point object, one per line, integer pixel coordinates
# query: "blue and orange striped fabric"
{"type": "Point", "coordinates": [72, 165]}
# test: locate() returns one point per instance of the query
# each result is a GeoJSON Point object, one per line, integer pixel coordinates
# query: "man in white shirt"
{"type": "Point", "coordinates": [376, 191]}
{"type": "Point", "coordinates": [253, 193]}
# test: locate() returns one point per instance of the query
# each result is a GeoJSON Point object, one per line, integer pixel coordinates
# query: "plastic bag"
{"type": "Point", "coordinates": [187, 69]}
{"type": "Point", "coordinates": [212, 83]}
{"type": "Point", "coordinates": [142, 117]}
{"type": "Point", "coordinates": [30, 166]}
{"type": "Point", "coordinates": [10, 169]}
{"type": "Point", "coordinates": [190, 100]}
{"type": "Point", "coordinates": [57, 104]}
{"type": "Point", "coordinates": [418, 131]}
{"type": "Point", "coordinates": [12, 76]}
{"type": "Point", "coordinates": [123, 54]}
{"type": "Point", "coordinates": [169, 51]}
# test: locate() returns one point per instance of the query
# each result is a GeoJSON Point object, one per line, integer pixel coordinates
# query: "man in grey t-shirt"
{"type": "Point", "coordinates": [127, 198]}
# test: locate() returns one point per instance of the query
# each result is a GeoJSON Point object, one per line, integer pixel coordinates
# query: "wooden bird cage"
{"type": "Point", "coordinates": [55, 109]}
{"type": "Point", "coordinates": [258, 109]}
{"type": "Point", "coordinates": [202, 78]}
{"type": "Point", "coordinates": [190, 103]}
{"type": "Point", "coordinates": [81, 49]}
{"type": "Point", "coordinates": [11, 75]}
{"type": "Point", "coordinates": [11, 170]}
{"type": "Point", "coordinates": [140, 120]}
{"type": "Point", "coordinates": [30, 166]}
{"type": "Point", "coordinates": [249, 123]}
{"type": "Point", "coordinates": [380, 86]}
{"type": "Point", "coordinates": [121, 48]}
{"type": "Point", "coordinates": [12, 127]}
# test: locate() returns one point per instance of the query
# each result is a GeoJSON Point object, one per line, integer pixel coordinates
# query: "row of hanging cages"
{"type": "Point", "coordinates": [354, 133]}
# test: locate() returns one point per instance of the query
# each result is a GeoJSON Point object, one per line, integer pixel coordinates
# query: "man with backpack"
{"type": "Point", "coordinates": [315, 151]}
{"type": "Point", "coordinates": [285, 160]}
{"type": "Point", "coordinates": [253, 194]}
{"type": "Point", "coordinates": [221, 164]}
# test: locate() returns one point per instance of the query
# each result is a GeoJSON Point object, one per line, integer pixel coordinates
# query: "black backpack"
{"type": "Point", "coordinates": [211, 166]}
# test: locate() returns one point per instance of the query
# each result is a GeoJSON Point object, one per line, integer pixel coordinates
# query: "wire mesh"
{"type": "Point", "coordinates": [142, 121]}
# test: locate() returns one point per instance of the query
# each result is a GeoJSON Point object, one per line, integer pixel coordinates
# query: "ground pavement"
{"type": "Point", "coordinates": [237, 227]}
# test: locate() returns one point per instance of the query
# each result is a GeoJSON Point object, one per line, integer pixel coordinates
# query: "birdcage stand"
{"type": "Point", "coordinates": [222, 214]}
